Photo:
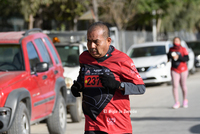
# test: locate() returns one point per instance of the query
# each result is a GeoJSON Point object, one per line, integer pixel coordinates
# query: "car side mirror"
{"type": "Point", "coordinates": [42, 67]}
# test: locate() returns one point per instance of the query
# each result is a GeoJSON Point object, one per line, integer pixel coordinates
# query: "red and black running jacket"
{"type": "Point", "coordinates": [180, 65]}
{"type": "Point", "coordinates": [106, 110]}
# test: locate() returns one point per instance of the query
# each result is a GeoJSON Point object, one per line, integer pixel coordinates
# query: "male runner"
{"type": "Point", "coordinates": [107, 76]}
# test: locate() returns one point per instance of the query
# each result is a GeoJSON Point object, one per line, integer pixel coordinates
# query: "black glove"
{"type": "Point", "coordinates": [76, 88]}
{"type": "Point", "coordinates": [109, 82]}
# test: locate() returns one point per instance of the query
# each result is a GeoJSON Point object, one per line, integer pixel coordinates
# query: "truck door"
{"type": "Point", "coordinates": [38, 105]}
{"type": "Point", "coordinates": [47, 80]}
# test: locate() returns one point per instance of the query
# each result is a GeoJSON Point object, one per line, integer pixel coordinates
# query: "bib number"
{"type": "Point", "coordinates": [92, 81]}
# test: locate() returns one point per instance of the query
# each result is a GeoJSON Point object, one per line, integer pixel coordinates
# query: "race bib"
{"type": "Point", "coordinates": [92, 81]}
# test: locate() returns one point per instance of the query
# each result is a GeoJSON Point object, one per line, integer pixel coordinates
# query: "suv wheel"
{"type": "Point", "coordinates": [76, 110]}
{"type": "Point", "coordinates": [56, 123]}
{"type": "Point", "coordinates": [21, 123]}
{"type": "Point", "coordinates": [193, 70]}
{"type": "Point", "coordinates": [169, 83]}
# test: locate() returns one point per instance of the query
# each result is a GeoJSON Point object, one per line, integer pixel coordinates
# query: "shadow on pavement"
{"type": "Point", "coordinates": [71, 122]}
{"type": "Point", "coordinates": [195, 129]}
{"type": "Point", "coordinates": [153, 84]}
{"type": "Point", "coordinates": [166, 119]}
{"type": "Point", "coordinates": [153, 107]}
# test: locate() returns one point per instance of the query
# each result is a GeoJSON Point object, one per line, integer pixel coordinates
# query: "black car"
{"type": "Point", "coordinates": [195, 45]}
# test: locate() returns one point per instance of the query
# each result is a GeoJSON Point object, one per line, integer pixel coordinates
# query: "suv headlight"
{"type": "Point", "coordinates": [198, 57]}
{"type": "Point", "coordinates": [161, 65]}
{"type": "Point", "coordinates": [69, 82]}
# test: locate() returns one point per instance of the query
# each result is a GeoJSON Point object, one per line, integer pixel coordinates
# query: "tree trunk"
{"type": "Point", "coordinates": [31, 19]}
{"type": "Point", "coordinates": [95, 8]}
{"type": "Point", "coordinates": [38, 21]}
{"type": "Point", "coordinates": [159, 25]}
{"type": "Point", "coordinates": [75, 24]}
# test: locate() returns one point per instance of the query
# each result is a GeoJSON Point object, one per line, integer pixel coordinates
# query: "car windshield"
{"type": "Point", "coordinates": [11, 58]}
{"type": "Point", "coordinates": [147, 51]}
{"type": "Point", "coordinates": [69, 55]}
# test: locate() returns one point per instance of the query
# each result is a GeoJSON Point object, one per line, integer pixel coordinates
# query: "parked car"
{"type": "Point", "coordinates": [151, 61]}
{"type": "Point", "coordinates": [32, 85]}
{"type": "Point", "coordinates": [69, 50]}
{"type": "Point", "coordinates": [191, 62]}
{"type": "Point", "coordinates": [195, 45]}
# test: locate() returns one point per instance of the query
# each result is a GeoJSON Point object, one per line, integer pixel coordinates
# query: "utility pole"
{"type": "Point", "coordinates": [31, 19]}
{"type": "Point", "coordinates": [154, 31]}
{"type": "Point", "coordinates": [95, 8]}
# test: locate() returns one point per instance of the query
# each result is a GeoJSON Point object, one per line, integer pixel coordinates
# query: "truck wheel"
{"type": "Point", "coordinates": [56, 123]}
{"type": "Point", "coordinates": [76, 110]}
{"type": "Point", "coordinates": [21, 122]}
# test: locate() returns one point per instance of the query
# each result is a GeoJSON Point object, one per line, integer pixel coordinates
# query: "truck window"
{"type": "Point", "coordinates": [32, 55]}
{"type": "Point", "coordinates": [43, 51]}
{"type": "Point", "coordinates": [11, 57]}
{"type": "Point", "coordinates": [52, 50]}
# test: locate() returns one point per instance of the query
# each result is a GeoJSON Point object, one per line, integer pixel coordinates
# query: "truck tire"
{"type": "Point", "coordinates": [21, 123]}
{"type": "Point", "coordinates": [76, 110]}
{"type": "Point", "coordinates": [56, 123]}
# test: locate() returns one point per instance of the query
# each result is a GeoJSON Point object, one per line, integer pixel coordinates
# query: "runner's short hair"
{"type": "Point", "coordinates": [102, 25]}
{"type": "Point", "coordinates": [176, 37]}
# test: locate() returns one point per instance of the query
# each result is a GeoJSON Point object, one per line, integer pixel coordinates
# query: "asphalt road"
{"type": "Point", "coordinates": [152, 112]}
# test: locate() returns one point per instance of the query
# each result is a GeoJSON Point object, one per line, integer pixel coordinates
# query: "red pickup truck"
{"type": "Point", "coordinates": [32, 86]}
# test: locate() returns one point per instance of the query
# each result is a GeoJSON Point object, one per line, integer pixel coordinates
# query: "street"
{"type": "Point", "coordinates": [152, 112]}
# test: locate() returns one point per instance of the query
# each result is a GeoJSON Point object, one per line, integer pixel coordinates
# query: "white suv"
{"type": "Point", "coordinates": [150, 59]}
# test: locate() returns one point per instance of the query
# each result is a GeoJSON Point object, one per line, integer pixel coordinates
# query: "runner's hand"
{"type": "Point", "coordinates": [109, 82]}
{"type": "Point", "coordinates": [76, 88]}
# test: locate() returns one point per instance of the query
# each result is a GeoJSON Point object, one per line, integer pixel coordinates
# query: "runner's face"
{"type": "Point", "coordinates": [177, 41]}
{"type": "Point", "coordinates": [97, 44]}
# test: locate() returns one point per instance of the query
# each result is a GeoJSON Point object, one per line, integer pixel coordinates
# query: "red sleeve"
{"type": "Point", "coordinates": [185, 52]}
{"type": "Point", "coordinates": [129, 73]}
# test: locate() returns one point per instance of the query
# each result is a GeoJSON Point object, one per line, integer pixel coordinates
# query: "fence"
{"type": "Point", "coordinates": [128, 38]}
{"type": "Point", "coordinates": [122, 40]}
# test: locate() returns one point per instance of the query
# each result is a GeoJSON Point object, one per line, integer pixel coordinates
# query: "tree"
{"type": "Point", "coordinates": [64, 12]}
{"type": "Point", "coordinates": [8, 8]}
{"type": "Point", "coordinates": [36, 11]}
{"type": "Point", "coordinates": [71, 10]}
{"type": "Point", "coordinates": [118, 12]}
{"type": "Point", "coordinates": [145, 8]}
{"type": "Point", "coordinates": [182, 16]}
{"type": "Point", "coordinates": [29, 8]}
{"type": "Point", "coordinates": [125, 14]}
